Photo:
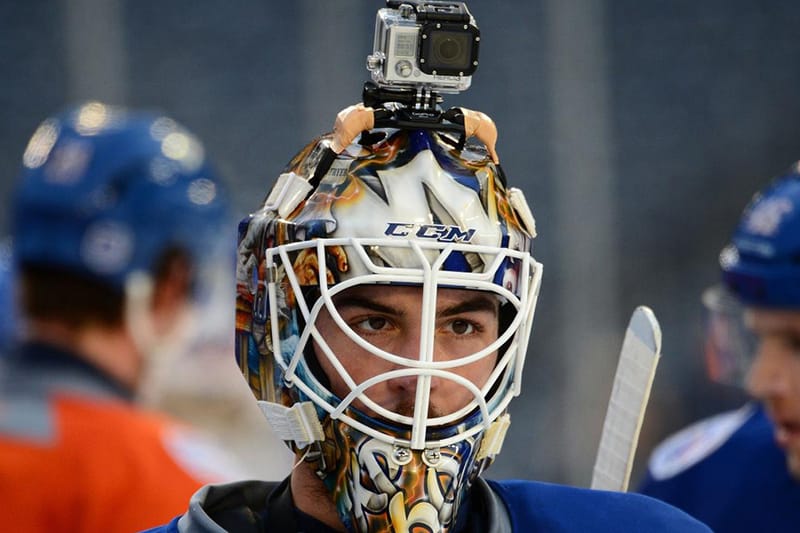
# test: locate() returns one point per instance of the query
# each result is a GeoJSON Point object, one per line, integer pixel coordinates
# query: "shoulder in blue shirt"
{"type": "Point", "coordinates": [728, 472]}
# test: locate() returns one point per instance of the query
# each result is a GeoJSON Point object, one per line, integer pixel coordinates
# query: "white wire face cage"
{"type": "Point", "coordinates": [510, 275]}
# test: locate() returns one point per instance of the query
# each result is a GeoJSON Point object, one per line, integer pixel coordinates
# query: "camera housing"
{"type": "Point", "coordinates": [424, 44]}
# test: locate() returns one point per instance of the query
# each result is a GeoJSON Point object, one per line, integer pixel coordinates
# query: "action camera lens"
{"type": "Point", "coordinates": [450, 50]}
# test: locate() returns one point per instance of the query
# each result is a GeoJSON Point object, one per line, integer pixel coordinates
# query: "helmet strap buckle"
{"type": "Point", "coordinates": [493, 439]}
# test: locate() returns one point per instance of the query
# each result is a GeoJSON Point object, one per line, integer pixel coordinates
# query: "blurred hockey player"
{"type": "Point", "coordinates": [198, 384]}
{"type": "Point", "coordinates": [740, 471]}
{"type": "Point", "coordinates": [385, 295]}
{"type": "Point", "coordinates": [118, 223]}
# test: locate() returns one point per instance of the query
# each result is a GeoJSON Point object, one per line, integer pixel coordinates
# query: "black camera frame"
{"type": "Point", "coordinates": [427, 36]}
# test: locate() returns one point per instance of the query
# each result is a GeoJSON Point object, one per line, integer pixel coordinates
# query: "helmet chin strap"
{"type": "Point", "coordinates": [157, 345]}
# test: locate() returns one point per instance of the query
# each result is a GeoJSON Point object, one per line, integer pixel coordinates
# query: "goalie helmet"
{"type": "Point", "coordinates": [760, 268]}
{"type": "Point", "coordinates": [104, 192]}
{"type": "Point", "coordinates": [399, 208]}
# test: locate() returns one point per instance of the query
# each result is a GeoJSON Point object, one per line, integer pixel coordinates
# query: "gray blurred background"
{"type": "Point", "coordinates": [637, 130]}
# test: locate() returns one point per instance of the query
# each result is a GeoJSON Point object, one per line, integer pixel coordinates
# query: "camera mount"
{"type": "Point", "coordinates": [409, 108]}
{"type": "Point", "coordinates": [413, 109]}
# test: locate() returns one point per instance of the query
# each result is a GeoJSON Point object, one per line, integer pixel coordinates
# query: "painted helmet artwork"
{"type": "Point", "coordinates": [399, 211]}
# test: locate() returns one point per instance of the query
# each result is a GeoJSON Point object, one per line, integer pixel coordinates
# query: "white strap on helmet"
{"type": "Point", "coordinates": [288, 192]}
{"type": "Point", "coordinates": [298, 423]}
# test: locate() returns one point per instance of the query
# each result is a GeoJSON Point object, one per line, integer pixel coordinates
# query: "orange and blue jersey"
{"type": "Point", "coordinates": [77, 455]}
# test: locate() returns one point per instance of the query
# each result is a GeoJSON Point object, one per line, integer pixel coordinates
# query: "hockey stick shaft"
{"type": "Point", "coordinates": [630, 392]}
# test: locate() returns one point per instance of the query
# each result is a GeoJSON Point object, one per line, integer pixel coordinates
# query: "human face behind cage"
{"type": "Point", "coordinates": [393, 323]}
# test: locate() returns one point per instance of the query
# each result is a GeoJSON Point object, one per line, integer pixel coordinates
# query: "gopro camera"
{"type": "Point", "coordinates": [424, 44]}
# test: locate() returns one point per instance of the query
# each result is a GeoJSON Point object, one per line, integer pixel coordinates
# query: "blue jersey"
{"type": "Point", "coordinates": [494, 507]}
{"type": "Point", "coordinates": [728, 472]}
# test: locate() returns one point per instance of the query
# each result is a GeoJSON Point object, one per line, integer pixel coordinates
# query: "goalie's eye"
{"type": "Point", "coordinates": [462, 327]}
{"type": "Point", "coordinates": [372, 324]}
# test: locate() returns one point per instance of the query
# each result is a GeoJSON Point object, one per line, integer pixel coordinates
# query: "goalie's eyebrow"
{"type": "Point", "coordinates": [477, 303]}
{"type": "Point", "coordinates": [355, 300]}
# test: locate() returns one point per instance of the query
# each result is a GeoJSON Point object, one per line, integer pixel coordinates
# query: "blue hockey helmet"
{"type": "Point", "coordinates": [760, 268]}
{"type": "Point", "coordinates": [104, 192]}
{"type": "Point", "coordinates": [762, 263]}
